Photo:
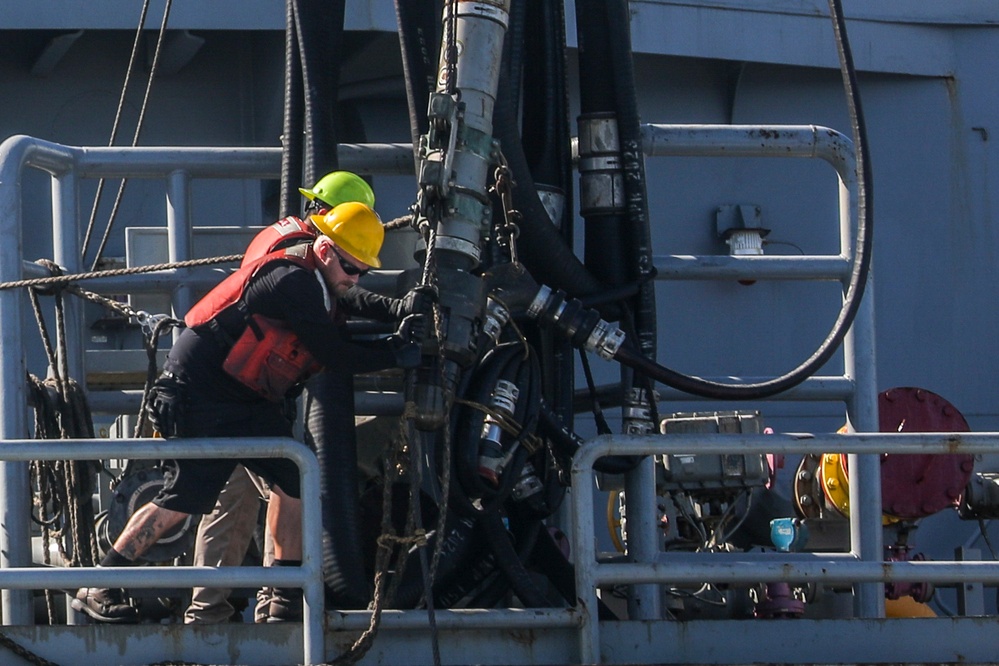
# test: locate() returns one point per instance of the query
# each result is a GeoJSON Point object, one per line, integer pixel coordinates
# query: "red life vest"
{"type": "Point", "coordinates": [283, 233]}
{"type": "Point", "coordinates": [267, 357]}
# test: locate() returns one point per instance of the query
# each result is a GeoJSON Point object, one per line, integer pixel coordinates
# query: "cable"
{"type": "Point", "coordinates": [138, 130]}
{"type": "Point", "coordinates": [117, 120]}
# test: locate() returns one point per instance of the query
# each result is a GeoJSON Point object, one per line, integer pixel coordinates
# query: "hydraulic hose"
{"type": "Point", "coordinates": [542, 250]}
{"type": "Point", "coordinates": [638, 235]}
{"type": "Point", "coordinates": [862, 253]}
{"type": "Point", "coordinates": [291, 139]}
{"type": "Point", "coordinates": [418, 23]}
{"type": "Point", "coordinates": [587, 332]}
{"type": "Point", "coordinates": [329, 431]}
{"type": "Point", "coordinates": [858, 276]}
{"type": "Point", "coordinates": [319, 26]}
{"type": "Point", "coordinates": [553, 564]}
{"type": "Point", "coordinates": [631, 355]}
{"type": "Point", "coordinates": [505, 363]}
{"type": "Point", "coordinates": [546, 142]}
{"type": "Point", "coordinates": [567, 442]}
{"type": "Point", "coordinates": [510, 563]}
{"type": "Point", "coordinates": [546, 137]}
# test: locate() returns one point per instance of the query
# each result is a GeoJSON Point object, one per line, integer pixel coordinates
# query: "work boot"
{"type": "Point", "coordinates": [105, 605]}
{"type": "Point", "coordinates": [262, 609]}
{"type": "Point", "coordinates": [285, 605]}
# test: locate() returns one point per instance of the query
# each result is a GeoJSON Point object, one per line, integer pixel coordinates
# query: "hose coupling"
{"type": "Point", "coordinates": [583, 326]}
{"type": "Point", "coordinates": [493, 457]}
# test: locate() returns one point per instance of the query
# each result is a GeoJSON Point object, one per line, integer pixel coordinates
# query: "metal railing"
{"type": "Point", "coordinates": [308, 576]}
{"type": "Point", "coordinates": [178, 166]}
{"type": "Point", "coordinates": [852, 567]}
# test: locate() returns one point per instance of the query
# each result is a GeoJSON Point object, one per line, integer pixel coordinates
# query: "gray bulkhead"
{"type": "Point", "coordinates": [927, 80]}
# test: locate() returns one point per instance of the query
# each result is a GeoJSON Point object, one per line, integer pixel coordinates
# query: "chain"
{"type": "Point", "coordinates": [507, 234]}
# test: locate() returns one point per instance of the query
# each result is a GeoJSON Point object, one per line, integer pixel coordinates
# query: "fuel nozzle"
{"type": "Point", "coordinates": [583, 326]}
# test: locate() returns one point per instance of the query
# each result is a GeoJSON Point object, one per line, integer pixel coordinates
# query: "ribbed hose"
{"type": "Point", "coordinates": [319, 26]}
{"type": "Point", "coordinates": [291, 139]}
{"type": "Point", "coordinates": [633, 357]}
{"type": "Point", "coordinates": [547, 147]}
{"type": "Point", "coordinates": [329, 431]}
{"type": "Point", "coordinates": [638, 236]}
{"type": "Point", "coordinates": [510, 563]}
{"type": "Point", "coordinates": [606, 242]}
{"type": "Point", "coordinates": [549, 259]}
{"type": "Point", "coordinates": [467, 487]}
{"type": "Point", "coordinates": [418, 23]}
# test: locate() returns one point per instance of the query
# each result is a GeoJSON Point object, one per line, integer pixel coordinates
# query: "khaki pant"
{"type": "Point", "coordinates": [222, 540]}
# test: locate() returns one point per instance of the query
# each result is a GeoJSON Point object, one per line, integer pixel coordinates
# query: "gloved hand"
{"type": "Point", "coordinates": [166, 405]}
{"type": "Point", "coordinates": [412, 328]}
{"type": "Point", "coordinates": [417, 300]}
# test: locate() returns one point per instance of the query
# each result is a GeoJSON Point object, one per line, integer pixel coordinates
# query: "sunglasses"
{"type": "Point", "coordinates": [317, 207]}
{"type": "Point", "coordinates": [347, 267]}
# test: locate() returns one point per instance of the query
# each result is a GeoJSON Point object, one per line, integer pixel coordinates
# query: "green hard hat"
{"type": "Point", "coordinates": [340, 187]}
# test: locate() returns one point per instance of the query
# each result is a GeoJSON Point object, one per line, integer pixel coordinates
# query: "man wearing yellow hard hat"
{"type": "Point", "coordinates": [249, 342]}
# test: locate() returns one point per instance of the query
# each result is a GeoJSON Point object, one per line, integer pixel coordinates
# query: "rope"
{"type": "Point", "coordinates": [151, 342]}
{"type": "Point", "coordinates": [399, 222]}
{"type": "Point", "coordinates": [115, 272]}
{"type": "Point", "coordinates": [24, 653]}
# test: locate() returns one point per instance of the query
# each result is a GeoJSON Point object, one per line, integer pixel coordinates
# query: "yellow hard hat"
{"type": "Point", "coordinates": [356, 229]}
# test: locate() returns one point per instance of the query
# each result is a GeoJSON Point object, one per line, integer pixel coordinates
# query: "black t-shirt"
{"type": "Point", "coordinates": [287, 292]}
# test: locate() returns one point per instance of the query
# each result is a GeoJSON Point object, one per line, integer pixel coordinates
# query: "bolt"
{"type": "Point", "coordinates": [832, 484]}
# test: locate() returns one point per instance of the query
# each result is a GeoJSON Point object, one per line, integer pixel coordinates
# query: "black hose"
{"type": "Point", "coordinates": [329, 431]}
{"type": "Point", "coordinates": [566, 443]}
{"type": "Point", "coordinates": [542, 250]}
{"type": "Point", "coordinates": [512, 62]}
{"type": "Point", "coordinates": [546, 138]}
{"type": "Point", "coordinates": [633, 358]}
{"type": "Point", "coordinates": [606, 245]}
{"type": "Point", "coordinates": [552, 562]}
{"type": "Point", "coordinates": [418, 24]}
{"type": "Point", "coordinates": [638, 235]}
{"type": "Point", "coordinates": [291, 139]}
{"type": "Point", "coordinates": [506, 363]}
{"type": "Point", "coordinates": [319, 26]}
{"type": "Point", "coordinates": [509, 561]}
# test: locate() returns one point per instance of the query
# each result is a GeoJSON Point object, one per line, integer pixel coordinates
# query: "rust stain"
{"type": "Point", "coordinates": [524, 637]}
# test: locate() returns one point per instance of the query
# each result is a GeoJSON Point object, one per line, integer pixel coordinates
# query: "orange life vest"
{"type": "Point", "coordinates": [284, 233]}
{"type": "Point", "coordinates": [267, 357]}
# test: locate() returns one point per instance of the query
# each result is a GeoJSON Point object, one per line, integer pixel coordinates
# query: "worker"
{"type": "Point", "coordinates": [250, 341]}
{"type": "Point", "coordinates": [224, 535]}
